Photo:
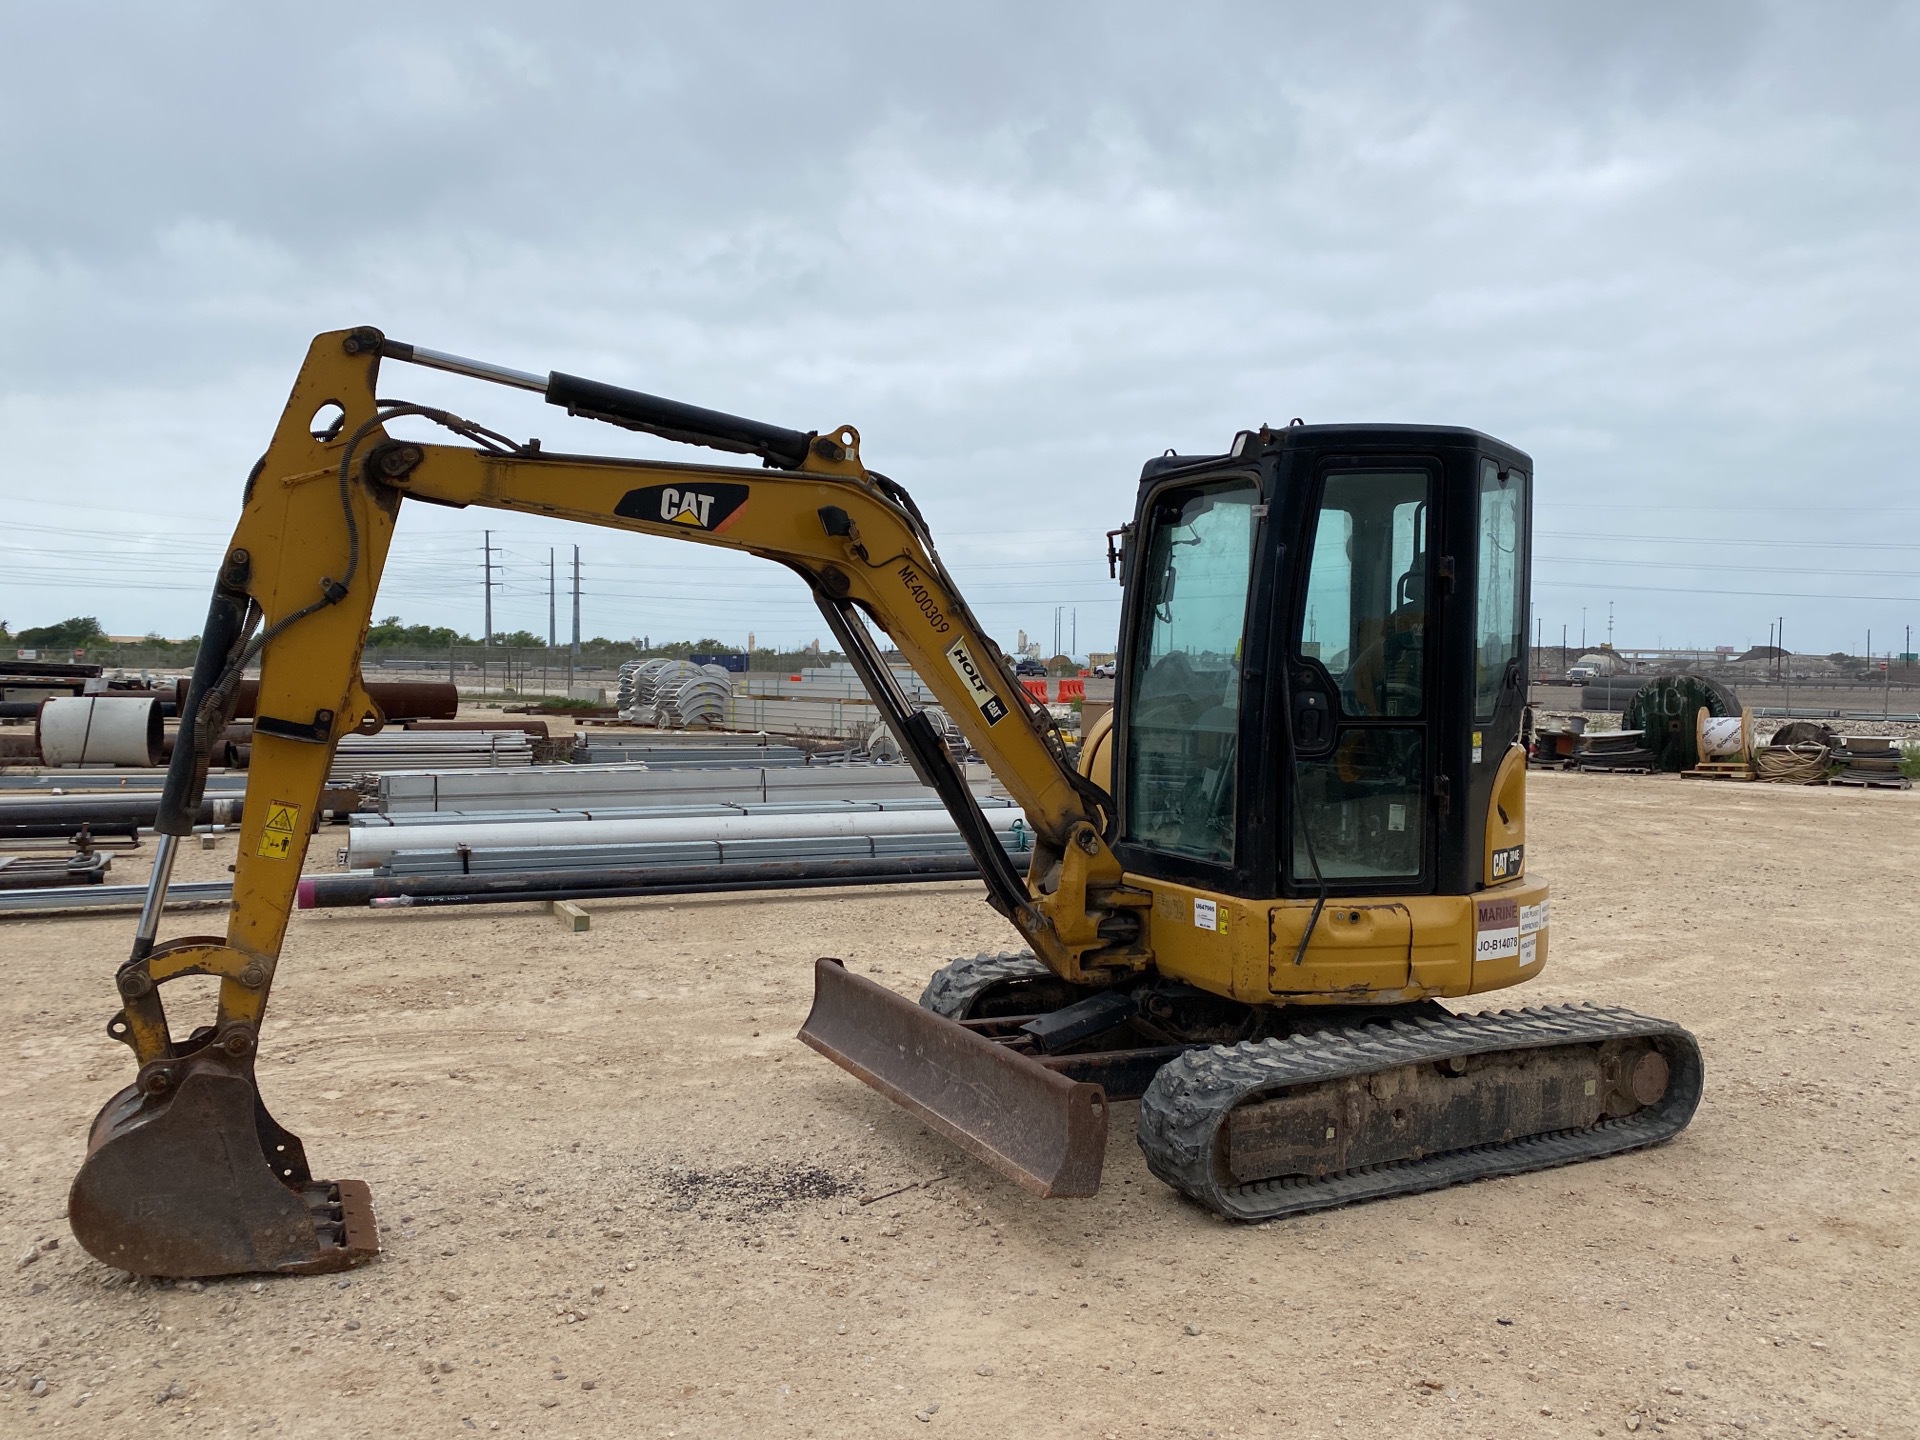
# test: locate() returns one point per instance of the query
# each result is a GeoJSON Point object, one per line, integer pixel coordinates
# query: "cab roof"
{"type": "Point", "coordinates": [1267, 440]}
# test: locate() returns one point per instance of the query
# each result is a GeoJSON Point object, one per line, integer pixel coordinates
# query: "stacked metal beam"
{"type": "Point", "coordinates": [372, 839]}
{"type": "Point", "coordinates": [674, 836]}
{"type": "Point", "coordinates": [633, 751]}
{"type": "Point", "coordinates": [602, 787]}
{"type": "Point", "coordinates": [360, 756]}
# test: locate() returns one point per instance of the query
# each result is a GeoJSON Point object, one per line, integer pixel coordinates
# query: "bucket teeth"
{"type": "Point", "coordinates": [198, 1180]}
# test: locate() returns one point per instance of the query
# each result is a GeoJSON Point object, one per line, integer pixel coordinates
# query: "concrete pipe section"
{"type": "Point", "coordinates": [99, 730]}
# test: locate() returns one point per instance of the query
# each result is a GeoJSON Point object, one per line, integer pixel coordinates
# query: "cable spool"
{"type": "Point", "coordinates": [1665, 711]}
{"type": "Point", "coordinates": [99, 730]}
{"type": "Point", "coordinates": [1720, 737]}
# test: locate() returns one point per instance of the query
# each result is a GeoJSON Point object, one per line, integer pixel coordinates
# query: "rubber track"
{"type": "Point", "coordinates": [957, 984]}
{"type": "Point", "coordinates": [1183, 1110]}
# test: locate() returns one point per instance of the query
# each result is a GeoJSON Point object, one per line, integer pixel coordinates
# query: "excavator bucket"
{"type": "Point", "coordinates": [1035, 1126]}
{"type": "Point", "coordinates": [188, 1175]}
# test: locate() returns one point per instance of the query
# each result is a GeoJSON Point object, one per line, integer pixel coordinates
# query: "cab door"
{"type": "Point", "coordinates": [1361, 659]}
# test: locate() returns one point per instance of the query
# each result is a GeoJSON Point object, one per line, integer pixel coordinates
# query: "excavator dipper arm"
{"type": "Point", "coordinates": [186, 1172]}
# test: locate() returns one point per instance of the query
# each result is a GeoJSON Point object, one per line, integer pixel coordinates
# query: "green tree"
{"type": "Point", "coordinates": [77, 632]}
{"type": "Point", "coordinates": [393, 632]}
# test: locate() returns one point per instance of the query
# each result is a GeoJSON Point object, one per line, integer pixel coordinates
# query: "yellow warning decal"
{"type": "Point", "coordinates": [283, 823]}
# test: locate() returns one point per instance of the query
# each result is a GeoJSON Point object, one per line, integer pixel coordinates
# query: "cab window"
{"type": "Point", "coordinates": [1500, 624]}
{"type": "Point", "coordinates": [1183, 724]}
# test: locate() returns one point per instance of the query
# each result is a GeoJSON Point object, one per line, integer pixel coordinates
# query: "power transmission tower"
{"type": "Point", "coordinates": [489, 583]}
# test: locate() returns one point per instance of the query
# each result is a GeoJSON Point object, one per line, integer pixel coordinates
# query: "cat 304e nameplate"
{"type": "Point", "coordinates": [697, 507]}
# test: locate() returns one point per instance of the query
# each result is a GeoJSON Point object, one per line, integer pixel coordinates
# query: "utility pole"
{"type": "Point", "coordinates": [1609, 624]}
{"type": "Point", "coordinates": [1583, 629]}
{"type": "Point", "coordinates": [1076, 630]}
{"type": "Point", "coordinates": [489, 585]}
{"type": "Point", "coordinates": [553, 635]}
{"type": "Point", "coordinates": [573, 654]}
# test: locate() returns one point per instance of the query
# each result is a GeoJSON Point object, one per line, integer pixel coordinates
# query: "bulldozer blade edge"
{"type": "Point", "coordinates": [1043, 1131]}
{"type": "Point", "coordinates": [180, 1184]}
{"type": "Point", "coordinates": [1363, 1112]}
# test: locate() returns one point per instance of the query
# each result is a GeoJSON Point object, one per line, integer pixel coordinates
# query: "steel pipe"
{"type": "Point", "coordinates": [333, 891]}
{"type": "Point", "coordinates": [369, 846]}
{"type": "Point", "coordinates": [338, 891]}
{"type": "Point", "coordinates": [64, 814]}
{"type": "Point", "coordinates": [397, 699]}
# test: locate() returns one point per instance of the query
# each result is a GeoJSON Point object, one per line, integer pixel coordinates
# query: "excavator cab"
{"type": "Point", "coordinates": [1324, 644]}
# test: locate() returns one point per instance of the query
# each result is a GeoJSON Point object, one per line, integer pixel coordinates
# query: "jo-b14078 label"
{"type": "Point", "coordinates": [1507, 930]}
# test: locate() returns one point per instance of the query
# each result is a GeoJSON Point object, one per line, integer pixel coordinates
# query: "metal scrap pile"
{"type": "Point", "coordinates": [674, 694]}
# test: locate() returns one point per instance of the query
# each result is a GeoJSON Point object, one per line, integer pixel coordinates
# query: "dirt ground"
{"type": "Point", "coordinates": [619, 1198]}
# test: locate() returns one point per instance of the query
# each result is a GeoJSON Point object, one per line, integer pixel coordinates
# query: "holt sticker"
{"type": "Point", "coordinates": [283, 824]}
{"type": "Point", "coordinates": [974, 678]}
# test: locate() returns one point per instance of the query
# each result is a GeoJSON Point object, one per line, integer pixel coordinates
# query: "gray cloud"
{"type": "Point", "coordinates": [1667, 249]}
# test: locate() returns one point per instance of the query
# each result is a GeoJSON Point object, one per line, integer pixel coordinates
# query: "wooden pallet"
{"type": "Point", "coordinates": [1719, 770]}
{"type": "Point", "coordinates": [1888, 782]}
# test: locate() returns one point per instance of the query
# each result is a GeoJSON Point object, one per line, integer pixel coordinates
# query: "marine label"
{"type": "Point", "coordinates": [1496, 925]}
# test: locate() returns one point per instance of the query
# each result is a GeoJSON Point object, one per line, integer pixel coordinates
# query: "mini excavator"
{"type": "Point", "coordinates": [1300, 831]}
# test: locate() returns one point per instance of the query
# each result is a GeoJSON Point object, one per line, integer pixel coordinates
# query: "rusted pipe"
{"type": "Point", "coordinates": [397, 699]}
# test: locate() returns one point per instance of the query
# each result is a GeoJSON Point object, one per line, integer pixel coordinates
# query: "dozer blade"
{"type": "Point", "coordinates": [191, 1177]}
{"type": "Point", "coordinates": [1033, 1125]}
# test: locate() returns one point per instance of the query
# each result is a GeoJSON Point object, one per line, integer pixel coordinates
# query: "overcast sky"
{"type": "Point", "coordinates": [1669, 249]}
